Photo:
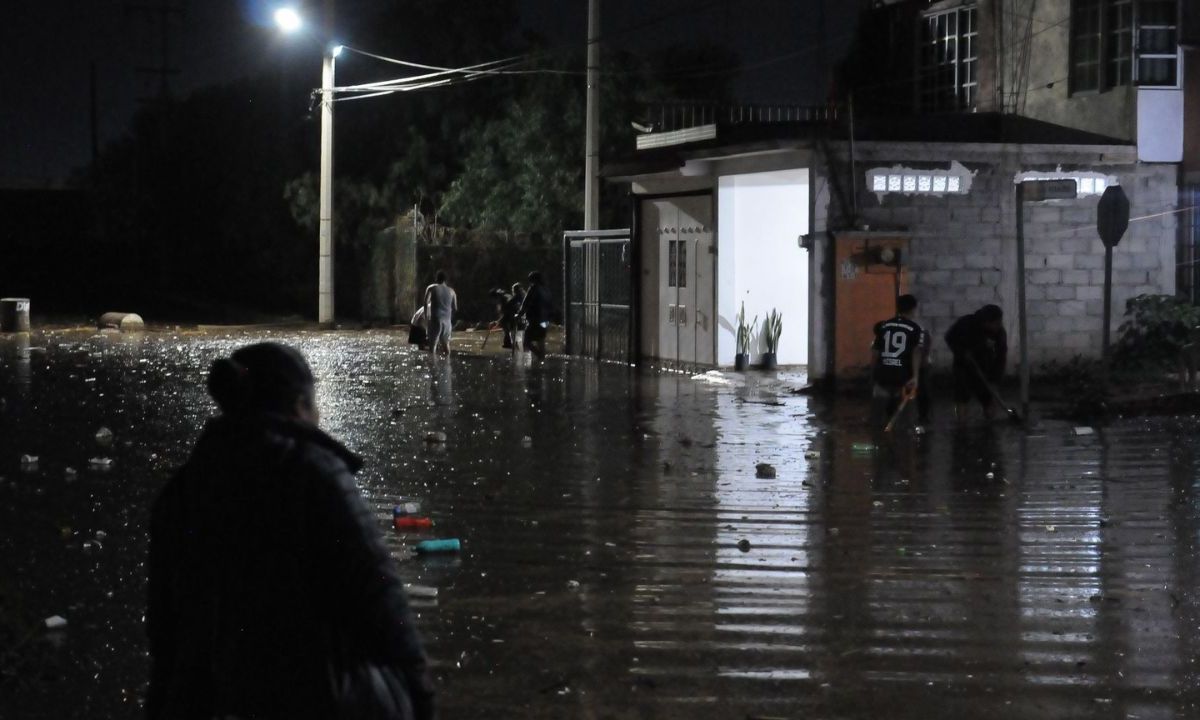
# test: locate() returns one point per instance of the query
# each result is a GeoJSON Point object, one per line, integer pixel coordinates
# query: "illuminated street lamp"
{"type": "Point", "coordinates": [289, 21]}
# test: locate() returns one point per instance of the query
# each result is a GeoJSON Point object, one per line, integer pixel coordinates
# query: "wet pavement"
{"type": "Point", "coordinates": [625, 561]}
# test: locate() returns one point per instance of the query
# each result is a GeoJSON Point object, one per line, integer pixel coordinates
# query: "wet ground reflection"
{"type": "Point", "coordinates": [621, 558]}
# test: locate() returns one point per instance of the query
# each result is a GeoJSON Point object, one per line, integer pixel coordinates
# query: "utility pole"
{"type": "Point", "coordinates": [591, 167]}
{"type": "Point", "coordinates": [161, 12]}
{"type": "Point", "coordinates": [325, 284]}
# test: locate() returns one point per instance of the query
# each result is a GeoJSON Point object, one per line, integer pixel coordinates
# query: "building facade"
{"type": "Point", "coordinates": [913, 189]}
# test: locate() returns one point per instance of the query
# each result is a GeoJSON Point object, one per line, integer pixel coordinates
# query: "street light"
{"type": "Point", "coordinates": [289, 21]}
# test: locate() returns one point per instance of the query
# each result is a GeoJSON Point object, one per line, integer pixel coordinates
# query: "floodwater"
{"type": "Point", "coordinates": [989, 572]}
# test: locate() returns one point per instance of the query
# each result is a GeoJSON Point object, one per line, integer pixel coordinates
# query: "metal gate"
{"type": "Point", "coordinates": [597, 281]}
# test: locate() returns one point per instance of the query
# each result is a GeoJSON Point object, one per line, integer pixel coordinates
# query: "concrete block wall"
{"type": "Point", "coordinates": [962, 252]}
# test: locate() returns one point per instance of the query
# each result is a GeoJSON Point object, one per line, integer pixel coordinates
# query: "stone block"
{"type": "Point", "coordinates": [1098, 276]}
{"type": "Point", "coordinates": [1095, 308]}
{"type": "Point", "coordinates": [1147, 290]}
{"type": "Point", "coordinates": [1089, 292]}
{"type": "Point", "coordinates": [1072, 308]}
{"type": "Point", "coordinates": [1143, 261]}
{"type": "Point", "coordinates": [931, 277]}
{"type": "Point", "coordinates": [980, 294]}
{"type": "Point", "coordinates": [1060, 292]}
{"type": "Point", "coordinates": [965, 278]}
{"type": "Point", "coordinates": [1048, 214]}
{"type": "Point", "coordinates": [1129, 277]}
{"type": "Point", "coordinates": [934, 309]}
{"type": "Point", "coordinates": [990, 215]}
{"type": "Point", "coordinates": [980, 261]}
{"type": "Point", "coordinates": [1089, 261]}
{"type": "Point", "coordinates": [1043, 308]}
{"type": "Point", "coordinates": [1076, 277]}
{"type": "Point", "coordinates": [950, 262]}
{"type": "Point", "coordinates": [1122, 261]}
{"type": "Point", "coordinates": [990, 278]}
{"type": "Point", "coordinates": [1062, 324]}
{"type": "Point", "coordinates": [1036, 292]}
{"type": "Point", "coordinates": [1060, 261]}
{"type": "Point", "coordinates": [1044, 277]}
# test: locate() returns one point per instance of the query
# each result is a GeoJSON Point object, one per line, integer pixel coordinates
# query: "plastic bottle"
{"type": "Point", "coordinates": [438, 546]}
{"type": "Point", "coordinates": [410, 522]}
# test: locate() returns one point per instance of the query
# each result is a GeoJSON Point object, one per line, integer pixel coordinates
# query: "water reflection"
{"type": "Point", "coordinates": [602, 513]}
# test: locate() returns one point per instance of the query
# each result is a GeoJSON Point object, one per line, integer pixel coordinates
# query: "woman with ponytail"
{"type": "Point", "coordinates": [271, 592]}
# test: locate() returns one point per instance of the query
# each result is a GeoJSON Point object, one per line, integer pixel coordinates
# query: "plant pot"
{"type": "Point", "coordinates": [769, 362]}
{"type": "Point", "coordinates": [741, 361]}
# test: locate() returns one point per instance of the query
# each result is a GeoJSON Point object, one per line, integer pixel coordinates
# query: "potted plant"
{"type": "Point", "coordinates": [742, 360]}
{"type": "Point", "coordinates": [772, 329]}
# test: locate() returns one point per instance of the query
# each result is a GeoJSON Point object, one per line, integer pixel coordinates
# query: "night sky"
{"type": "Point", "coordinates": [51, 44]}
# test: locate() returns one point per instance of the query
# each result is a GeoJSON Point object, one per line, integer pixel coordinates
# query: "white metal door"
{"type": "Point", "coordinates": [669, 312]}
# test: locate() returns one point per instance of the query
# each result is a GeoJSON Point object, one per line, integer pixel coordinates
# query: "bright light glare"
{"type": "Point", "coordinates": [337, 50]}
{"type": "Point", "coordinates": [288, 19]}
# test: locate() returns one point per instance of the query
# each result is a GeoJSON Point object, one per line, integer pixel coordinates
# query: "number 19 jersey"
{"type": "Point", "coordinates": [896, 340]}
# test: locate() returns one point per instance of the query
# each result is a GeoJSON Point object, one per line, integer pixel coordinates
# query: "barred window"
{"type": "Point", "coordinates": [1124, 42]}
{"type": "Point", "coordinates": [949, 61]}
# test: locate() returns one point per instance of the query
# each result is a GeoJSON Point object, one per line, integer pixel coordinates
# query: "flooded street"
{"type": "Point", "coordinates": [620, 557]}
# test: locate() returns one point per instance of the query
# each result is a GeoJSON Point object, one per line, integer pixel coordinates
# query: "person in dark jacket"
{"type": "Point", "coordinates": [270, 588]}
{"type": "Point", "coordinates": [536, 309]}
{"type": "Point", "coordinates": [980, 348]}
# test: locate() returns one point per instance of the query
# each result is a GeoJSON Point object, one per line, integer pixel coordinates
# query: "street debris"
{"type": "Point", "coordinates": [55, 622]}
{"type": "Point", "coordinates": [764, 471]}
{"type": "Point", "coordinates": [743, 545]}
{"type": "Point", "coordinates": [435, 437]}
{"type": "Point", "coordinates": [104, 437]}
{"type": "Point", "coordinates": [448, 545]}
{"type": "Point", "coordinates": [29, 463]}
{"type": "Point", "coordinates": [1082, 430]}
{"type": "Point", "coordinates": [100, 463]}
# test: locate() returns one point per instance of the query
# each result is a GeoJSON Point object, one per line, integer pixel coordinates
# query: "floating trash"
{"type": "Point", "coordinates": [70, 474]}
{"type": "Point", "coordinates": [104, 437]}
{"type": "Point", "coordinates": [100, 463]}
{"type": "Point", "coordinates": [862, 447]}
{"type": "Point", "coordinates": [572, 584]}
{"type": "Point", "coordinates": [408, 507]}
{"type": "Point", "coordinates": [435, 436]}
{"type": "Point", "coordinates": [812, 455]}
{"type": "Point", "coordinates": [421, 591]}
{"type": "Point", "coordinates": [526, 441]}
{"type": "Point", "coordinates": [743, 545]}
{"type": "Point", "coordinates": [54, 622]}
{"type": "Point", "coordinates": [449, 545]}
{"type": "Point", "coordinates": [409, 522]}
{"type": "Point", "coordinates": [764, 471]}
{"type": "Point", "coordinates": [29, 462]}
{"type": "Point", "coordinates": [1084, 431]}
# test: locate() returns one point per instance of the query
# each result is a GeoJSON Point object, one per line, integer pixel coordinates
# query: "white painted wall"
{"type": "Point", "coordinates": [1160, 125]}
{"type": "Point", "coordinates": [760, 218]}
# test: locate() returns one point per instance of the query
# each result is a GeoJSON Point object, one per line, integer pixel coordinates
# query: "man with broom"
{"type": "Point", "coordinates": [897, 352]}
{"type": "Point", "coordinates": [980, 348]}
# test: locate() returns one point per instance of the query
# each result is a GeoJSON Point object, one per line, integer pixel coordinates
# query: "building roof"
{"type": "Point", "coordinates": [749, 138]}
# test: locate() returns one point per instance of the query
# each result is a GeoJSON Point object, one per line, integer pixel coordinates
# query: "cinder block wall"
{"type": "Point", "coordinates": [963, 249]}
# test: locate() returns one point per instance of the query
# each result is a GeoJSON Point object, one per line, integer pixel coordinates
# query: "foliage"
{"type": "Point", "coordinates": [743, 331]}
{"type": "Point", "coordinates": [1081, 382]}
{"type": "Point", "coordinates": [1154, 332]}
{"type": "Point", "coordinates": [772, 330]}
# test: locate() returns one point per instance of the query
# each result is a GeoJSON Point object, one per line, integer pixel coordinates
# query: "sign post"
{"type": "Point", "coordinates": [1112, 219]}
{"type": "Point", "coordinates": [1033, 191]}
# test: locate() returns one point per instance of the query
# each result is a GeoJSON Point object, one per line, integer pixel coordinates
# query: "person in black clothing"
{"type": "Point", "coordinates": [536, 309]}
{"type": "Point", "coordinates": [508, 304]}
{"type": "Point", "coordinates": [980, 348]}
{"type": "Point", "coordinates": [898, 349]}
{"type": "Point", "coordinates": [271, 593]}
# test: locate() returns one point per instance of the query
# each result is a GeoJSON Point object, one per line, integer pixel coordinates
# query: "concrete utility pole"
{"type": "Point", "coordinates": [325, 232]}
{"type": "Point", "coordinates": [325, 229]}
{"type": "Point", "coordinates": [591, 168]}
